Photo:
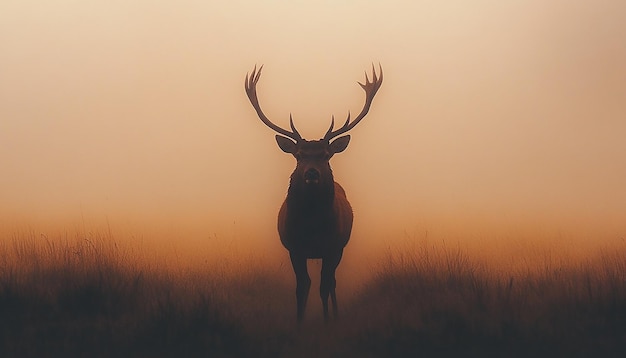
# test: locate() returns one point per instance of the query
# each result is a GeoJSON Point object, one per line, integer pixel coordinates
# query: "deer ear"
{"type": "Point", "coordinates": [286, 144]}
{"type": "Point", "coordinates": [340, 144]}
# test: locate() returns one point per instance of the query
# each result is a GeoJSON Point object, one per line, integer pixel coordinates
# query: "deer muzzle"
{"type": "Point", "coordinates": [312, 176]}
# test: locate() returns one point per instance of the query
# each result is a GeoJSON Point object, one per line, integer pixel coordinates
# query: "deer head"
{"type": "Point", "coordinates": [312, 156]}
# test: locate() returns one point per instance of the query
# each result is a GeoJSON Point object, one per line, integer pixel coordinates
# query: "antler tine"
{"type": "Point", "coordinates": [250, 85]}
{"type": "Point", "coordinates": [253, 79]}
{"type": "Point", "coordinates": [370, 89]}
{"type": "Point", "coordinates": [256, 78]}
{"type": "Point", "coordinates": [293, 127]}
{"type": "Point", "coordinates": [332, 126]}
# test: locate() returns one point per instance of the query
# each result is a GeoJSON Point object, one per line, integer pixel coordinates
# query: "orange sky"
{"type": "Point", "coordinates": [494, 117]}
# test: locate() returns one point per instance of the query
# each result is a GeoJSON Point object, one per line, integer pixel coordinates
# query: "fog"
{"type": "Point", "coordinates": [495, 119]}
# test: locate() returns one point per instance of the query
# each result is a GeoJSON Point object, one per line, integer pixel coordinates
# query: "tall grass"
{"type": "Point", "coordinates": [436, 301]}
{"type": "Point", "coordinates": [90, 296]}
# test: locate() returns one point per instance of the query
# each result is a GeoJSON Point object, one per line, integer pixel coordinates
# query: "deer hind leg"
{"type": "Point", "coordinates": [303, 283]}
{"type": "Point", "coordinates": [328, 283]}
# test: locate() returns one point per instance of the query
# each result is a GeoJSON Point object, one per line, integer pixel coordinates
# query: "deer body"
{"type": "Point", "coordinates": [315, 225]}
{"type": "Point", "coordinates": [315, 220]}
{"type": "Point", "coordinates": [311, 226]}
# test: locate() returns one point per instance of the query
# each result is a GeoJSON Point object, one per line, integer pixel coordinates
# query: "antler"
{"type": "Point", "coordinates": [370, 91]}
{"type": "Point", "coordinates": [250, 85]}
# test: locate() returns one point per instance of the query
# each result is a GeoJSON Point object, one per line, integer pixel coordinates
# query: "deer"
{"type": "Point", "coordinates": [315, 219]}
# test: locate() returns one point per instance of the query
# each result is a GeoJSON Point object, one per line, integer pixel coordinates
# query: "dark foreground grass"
{"type": "Point", "coordinates": [441, 304]}
{"type": "Point", "coordinates": [90, 298]}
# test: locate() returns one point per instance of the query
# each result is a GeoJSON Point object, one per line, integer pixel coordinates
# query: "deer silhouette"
{"type": "Point", "coordinates": [315, 220]}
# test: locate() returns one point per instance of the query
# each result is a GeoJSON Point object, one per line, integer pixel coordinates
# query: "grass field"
{"type": "Point", "coordinates": [89, 296]}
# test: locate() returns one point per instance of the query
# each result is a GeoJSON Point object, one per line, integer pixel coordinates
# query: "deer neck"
{"type": "Point", "coordinates": [304, 197]}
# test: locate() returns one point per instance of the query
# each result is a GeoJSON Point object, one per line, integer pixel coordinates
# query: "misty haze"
{"type": "Point", "coordinates": [140, 192]}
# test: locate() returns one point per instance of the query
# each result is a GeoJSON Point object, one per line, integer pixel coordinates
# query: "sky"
{"type": "Point", "coordinates": [495, 119]}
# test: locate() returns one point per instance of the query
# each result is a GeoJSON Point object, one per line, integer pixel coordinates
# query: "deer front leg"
{"type": "Point", "coordinates": [328, 283]}
{"type": "Point", "coordinates": [303, 283]}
